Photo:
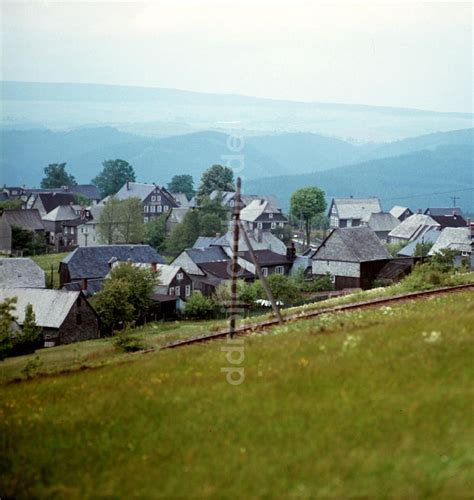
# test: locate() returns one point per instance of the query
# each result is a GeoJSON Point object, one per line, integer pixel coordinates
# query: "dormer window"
{"type": "Point", "coordinates": [153, 197]}
{"type": "Point", "coordinates": [270, 216]}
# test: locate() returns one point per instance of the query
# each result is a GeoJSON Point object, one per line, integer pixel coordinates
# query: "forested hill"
{"type": "Point", "coordinates": [419, 179]}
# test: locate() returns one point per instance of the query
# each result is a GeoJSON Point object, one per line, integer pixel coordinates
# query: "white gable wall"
{"type": "Point", "coordinates": [336, 268]}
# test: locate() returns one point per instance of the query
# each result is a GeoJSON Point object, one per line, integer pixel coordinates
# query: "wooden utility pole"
{"type": "Point", "coordinates": [235, 262]}
{"type": "Point", "coordinates": [261, 277]}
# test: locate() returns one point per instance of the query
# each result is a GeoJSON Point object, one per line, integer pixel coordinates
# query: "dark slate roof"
{"type": "Point", "coordinates": [450, 220]}
{"type": "Point", "coordinates": [52, 200]}
{"type": "Point", "coordinates": [26, 219]}
{"type": "Point", "coordinates": [93, 262]}
{"type": "Point", "coordinates": [352, 244]}
{"type": "Point", "coordinates": [222, 270]}
{"type": "Point", "coordinates": [88, 190]}
{"type": "Point", "coordinates": [267, 258]}
{"type": "Point", "coordinates": [211, 254]}
{"type": "Point", "coordinates": [4, 196]}
{"type": "Point", "coordinates": [444, 211]}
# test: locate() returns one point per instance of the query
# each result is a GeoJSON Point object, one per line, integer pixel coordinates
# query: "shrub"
{"type": "Point", "coordinates": [284, 289]}
{"type": "Point", "coordinates": [199, 307]}
{"type": "Point", "coordinates": [126, 341]}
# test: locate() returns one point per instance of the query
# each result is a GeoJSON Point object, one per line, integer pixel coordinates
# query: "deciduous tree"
{"type": "Point", "coordinates": [56, 176]}
{"type": "Point", "coordinates": [121, 221]}
{"type": "Point", "coordinates": [182, 184]}
{"type": "Point", "coordinates": [216, 178]}
{"type": "Point", "coordinates": [307, 203]}
{"type": "Point", "coordinates": [115, 173]}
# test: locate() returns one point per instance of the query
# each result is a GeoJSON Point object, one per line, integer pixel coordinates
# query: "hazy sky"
{"type": "Point", "coordinates": [395, 54]}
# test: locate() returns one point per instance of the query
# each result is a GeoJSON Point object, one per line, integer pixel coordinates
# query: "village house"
{"type": "Point", "coordinates": [28, 220]}
{"type": "Point", "coordinates": [458, 239]}
{"type": "Point", "coordinates": [270, 262]}
{"type": "Point", "coordinates": [260, 240]}
{"type": "Point", "coordinates": [412, 227]}
{"type": "Point", "coordinates": [155, 200]}
{"type": "Point", "coordinates": [229, 197]}
{"type": "Point", "coordinates": [89, 263]}
{"type": "Point", "coordinates": [351, 256]}
{"type": "Point", "coordinates": [351, 212]}
{"type": "Point", "coordinates": [401, 213]}
{"type": "Point", "coordinates": [65, 317]}
{"type": "Point", "coordinates": [447, 217]}
{"type": "Point", "coordinates": [87, 230]}
{"type": "Point", "coordinates": [426, 238]}
{"type": "Point", "coordinates": [262, 215]}
{"type": "Point", "coordinates": [46, 202]}
{"type": "Point", "coordinates": [61, 225]}
{"type": "Point", "coordinates": [381, 224]}
{"type": "Point", "coordinates": [21, 273]}
{"type": "Point", "coordinates": [174, 281]}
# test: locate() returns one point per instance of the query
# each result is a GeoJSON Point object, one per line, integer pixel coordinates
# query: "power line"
{"type": "Point", "coordinates": [428, 194]}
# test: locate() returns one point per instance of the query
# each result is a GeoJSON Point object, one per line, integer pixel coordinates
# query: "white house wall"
{"type": "Point", "coordinates": [336, 268]}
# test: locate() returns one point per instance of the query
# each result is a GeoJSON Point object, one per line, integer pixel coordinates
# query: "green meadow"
{"type": "Point", "coordinates": [374, 403]}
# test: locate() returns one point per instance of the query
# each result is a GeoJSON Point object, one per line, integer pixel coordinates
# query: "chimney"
{"type": "Point", "coordinates": [418, 210]}
{"type": "Point", "coordinates": [218, 235]}
{"type": "Point", "coordinates": [128, 185]}
{"type": "Point", "coordinates": [291, 252]}
{"type": "Point", "coordinates": [153, 267]}
{"type": "Point", "coordinates": [455, 213]}
{"type": "Point", "coordinates": [468, 222]}
{"type": "Point", "coordinates": [84, 284]}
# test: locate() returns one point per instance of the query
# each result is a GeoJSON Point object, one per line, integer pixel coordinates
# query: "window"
{"type": "Point", "coordinates": [180, 276]}
{"type": "Point", "coordinates": [158, 198]}
{"type": "Point", "coordinates": [145, 208]}
{"type": "Point", "coordinates": [153, 198]}
{"type": "Point", "coordinates": [159, 208]}
{"type": "Point", "coordinates": [145, 219]}
{"type": "Point", "coordinates": [259, 225]}
{"type": "Point", "coordinates": [165, 208]}
{"type": "Point", "coordinates": [177, 290]}
{"type": "Point", "coordinates": [265, 271]}
{"type": "Point", "coordinates": [72, 230]}
{"type": "Point", "coordinates": [280, 270]}
{"type": "Point", "coordinates": [78, 319]}
{"type": "Point", "coordinates": [273, 225]}
{"type": "Point", "coordinates": [281, 224]}
{"type": "Point", "coordinates": [171, 291]}
{"type": "Point", "coordinates": [152, 208]}
{"type": "Point", "coordinates": [188, 290]}
{"type": "Point", "coordinates": [270, 216]}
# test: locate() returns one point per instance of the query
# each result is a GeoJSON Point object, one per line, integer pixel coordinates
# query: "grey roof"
{"type": "Point", "coordinates": [182, 199]}
{"type": "Point", "coordinates": [301, 261]}
{"type": "Point", "coordinates": [382, 221]}
{"type": "Point", "coordinates": [53, 199]}
{"type": "Point", "coordinates": [87, 190]}
{"type": "Point", "coordinates": [413, 226]}
{"type": "Point", "coordinates": [397, 210]}
{"type": "Point", "coordinates": [430, 236]}
{"type": "Point", "coordinates": [210, 254]}
{"type": "Point", "coordinates": [266, 241]}
{"type": "Point", "coordinates": [135, 190]}
{"type": "Point", "coordinates": [50, 306]}
{"type": "Point", "coordinates": [205, 241]}
{"type": "Point", "coordinates": [356, 208]}
{"type": "Point", "coordinates": [453, 238]}
{"type": "Point", "coordinates": [21, 273]}
{"type": "Point", "coordinates": [351, 244]}
{"type": "Point", "coordinates": [256, 208]}
{"type": "Point", "coordinates": [93, 286]}
{"type": "Point", "coordinates": [177, 214]}
{"type": "Point", "coordinates": [61, 213]}
{"type": "Point", "coordinates": [26, 219]}
{"type": "Point", "coordinates": [444, 211]}
{"type": "Point", "coordinates": [93, 262]}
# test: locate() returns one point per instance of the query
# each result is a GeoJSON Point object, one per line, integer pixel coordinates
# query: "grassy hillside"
{"type": "Point", "coordinates": [396, 180]}
{"type": "Point", "coordinates": [371, 403]}
{"type": "Point", "coordinates": [48, 262]}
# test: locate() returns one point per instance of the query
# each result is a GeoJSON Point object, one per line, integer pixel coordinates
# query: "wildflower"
{"type": "Point", "coordinates": [303, 362]}
{"type": "Point", "coordinates": [431, 337]}
{"type": "Point", "coordinates": [350, 342]}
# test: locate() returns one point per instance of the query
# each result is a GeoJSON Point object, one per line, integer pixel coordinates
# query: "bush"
{"type": "Point", "coordinates": [200, 307]}
{"type": "Point", "coordinates": [284, 289]}
{"type": "Point", "coordinates": [126, 341]}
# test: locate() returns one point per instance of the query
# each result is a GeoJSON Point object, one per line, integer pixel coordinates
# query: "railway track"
{"type": "Point", "coordinates": [263, 325]}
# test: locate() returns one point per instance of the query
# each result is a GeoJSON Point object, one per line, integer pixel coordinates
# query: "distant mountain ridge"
{"type": "Point", "coordinates": [161, 112]}
{"type": "Point", "coordinates": [417, 179]}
